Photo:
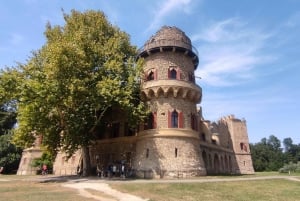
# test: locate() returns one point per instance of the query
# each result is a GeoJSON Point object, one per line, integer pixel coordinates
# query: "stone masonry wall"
{"type": "Point", "coordinates": [164, 157]}
{"type": "Point", "coordinates": [162, 105]}
{"type": "Point", "coordinates": [162, 62]}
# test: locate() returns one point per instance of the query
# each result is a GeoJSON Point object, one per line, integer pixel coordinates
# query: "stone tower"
{"type": "Point", "coordinates": [240, 144]}
{"type": "Point", "coordinates": [168, 144]}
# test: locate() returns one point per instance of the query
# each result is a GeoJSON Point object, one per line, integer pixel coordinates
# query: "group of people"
{"type": "Point", "coordinates": [112, 170]}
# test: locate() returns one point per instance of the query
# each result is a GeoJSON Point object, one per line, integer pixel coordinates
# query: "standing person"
{"type": "Point", "coordinates": [114, 170]}
{"type": "Point", "coordinates": [44, 169]}
{"type": "Point", "coordinates": [98, 170]}
{"type": "Point", "coordinates": [123, 170]}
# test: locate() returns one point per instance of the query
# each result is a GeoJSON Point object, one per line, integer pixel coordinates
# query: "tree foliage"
{"type": "Point", "coordinates": [65, 89]}
{"type": "Point", "coordinates": [9, 154]}
{"type": "Point", "coordinates": [267, 154]}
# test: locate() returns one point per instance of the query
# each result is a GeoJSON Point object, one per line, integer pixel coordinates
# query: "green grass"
{"type": "Point", "coordinates": [26, 188]}
{"type": "Point", "coordinates": [263, 190]}
{"type": "Point", "coordinates": [17, 190]}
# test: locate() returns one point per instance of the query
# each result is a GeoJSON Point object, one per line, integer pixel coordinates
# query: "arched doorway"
{"type": "Point", "coordinates": [216, 164]}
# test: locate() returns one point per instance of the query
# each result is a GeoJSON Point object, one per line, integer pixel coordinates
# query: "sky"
{"type": "Point", "coordinates": [249, 50]}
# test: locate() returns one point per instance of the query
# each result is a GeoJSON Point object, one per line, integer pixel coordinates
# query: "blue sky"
{"type": "Point", "coordinates": [249, 50]}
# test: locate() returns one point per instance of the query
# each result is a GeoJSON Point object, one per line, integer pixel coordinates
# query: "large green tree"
{"type": "Point", "coordinates": [267, 154]}
{"type": "Point", "coordinates": [66, 88]}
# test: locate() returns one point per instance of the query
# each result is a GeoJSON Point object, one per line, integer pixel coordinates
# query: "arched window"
{"type": "Point", "coordinates": [150, 122]}
{"type": "Point", "coordinates": [150, 76]}
{"type": "Point", "coordinates": [174, 119]}
{"type": "Point", "coordinates": [173, 74]}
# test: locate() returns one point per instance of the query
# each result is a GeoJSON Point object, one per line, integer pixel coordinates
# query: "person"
{"type": "Point", "coordinates": [79, 172]}
{"type": "Point", "coordinates": [1, 169]}
{"type": "Point", "coordinates": [114, 169]}
{"type": "Point", "coordinates": [123, 171]}
{"type": "Point", "coordinates": [99, 171]}
{"type": "Point", "coordinates": [44, 169]}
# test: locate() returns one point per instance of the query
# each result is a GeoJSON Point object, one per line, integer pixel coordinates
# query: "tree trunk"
{"type": "Point", "coordinates": [86, 161]}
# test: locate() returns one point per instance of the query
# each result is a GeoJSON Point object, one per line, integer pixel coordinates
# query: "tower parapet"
{"type": "Point", "coordinates": [170, 39]}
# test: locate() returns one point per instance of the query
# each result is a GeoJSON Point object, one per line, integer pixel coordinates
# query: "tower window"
{"type": "Point", "coordinates": [243, 147]}
{"type": "Point", "coordinates": [176, 152]}
{"type": "Point", "coordinates": [150, 122]}
{"type": "Point", "coordinates": [173, 74]}
{"type": "Point", "coordinates": [150, 76]}
{"type": "Point", "coordinates": [147, 153]}
{"type": "Point", "coordinates": [174, 119]}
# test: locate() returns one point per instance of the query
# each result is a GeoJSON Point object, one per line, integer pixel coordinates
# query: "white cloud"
{"type": "Point", "coordinates": [230, 52]}
{"type": "Point", "coordinates": [166, 8]}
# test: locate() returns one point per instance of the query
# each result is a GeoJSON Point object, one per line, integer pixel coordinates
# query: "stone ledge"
{"type": "Point", "coordinates": [168, 132]}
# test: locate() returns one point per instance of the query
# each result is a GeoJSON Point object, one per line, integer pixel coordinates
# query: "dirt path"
{"type": "Point", "coordinates": [112, 194]}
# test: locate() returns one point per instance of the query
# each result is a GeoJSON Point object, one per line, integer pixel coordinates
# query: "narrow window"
{"type": "Point", "coordinates": [150, 76]}
{"type": "Point", "coordinates": [173, 74]}
{"type": "Point", "coordinates": [147, 153]}
{"type": "Point", "coordinates": [174, 119]}
{"type": "Point", "coordinates": [176, 151]}
{"type": "Point", "coordinates": [203, 137]}
{"type": "Point", "coordinates": [242, 146]}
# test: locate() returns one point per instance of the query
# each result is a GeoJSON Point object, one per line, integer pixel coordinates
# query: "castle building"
{"type": "Point", "coordinates": [175, 141]}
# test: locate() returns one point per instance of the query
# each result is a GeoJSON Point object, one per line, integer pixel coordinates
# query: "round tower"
{"type": "Point", "coordinates": [168, 143]}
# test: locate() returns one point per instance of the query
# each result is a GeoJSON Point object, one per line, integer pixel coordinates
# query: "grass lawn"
{"type": "Point", "coordinates": [17, 190]}
{"type": "Point", "coordinates": [262, 190]}
{"type": "Point", "coordinates": [25, 188]}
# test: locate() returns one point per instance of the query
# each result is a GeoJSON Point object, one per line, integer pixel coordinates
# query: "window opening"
{"type": "Point", "coordinates": [150, 76]}
{"type": "Point", "coordinates": [174, 119]}
{"type": "Point", "coordinates": [173, 74]}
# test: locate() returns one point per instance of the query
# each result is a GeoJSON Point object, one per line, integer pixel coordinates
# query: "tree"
{"type": "Point", "coordinates": [65, 89]}
{"type": "Point", "coordinates": [292, 151]}
{"type": "Point", "coordinates": [267, 154]}
{"type": "Point", "coordinates": [9, 154]}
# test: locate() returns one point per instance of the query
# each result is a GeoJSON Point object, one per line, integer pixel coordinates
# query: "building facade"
{"type": "Point", "coordinates": [175, 141]}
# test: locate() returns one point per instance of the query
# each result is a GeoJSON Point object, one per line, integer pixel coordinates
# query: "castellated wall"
{"type": "Point", "coordinates": [168, 157]}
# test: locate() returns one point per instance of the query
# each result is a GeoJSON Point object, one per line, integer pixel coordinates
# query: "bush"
{"type": "Point", "coordinates": [291, 167]}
